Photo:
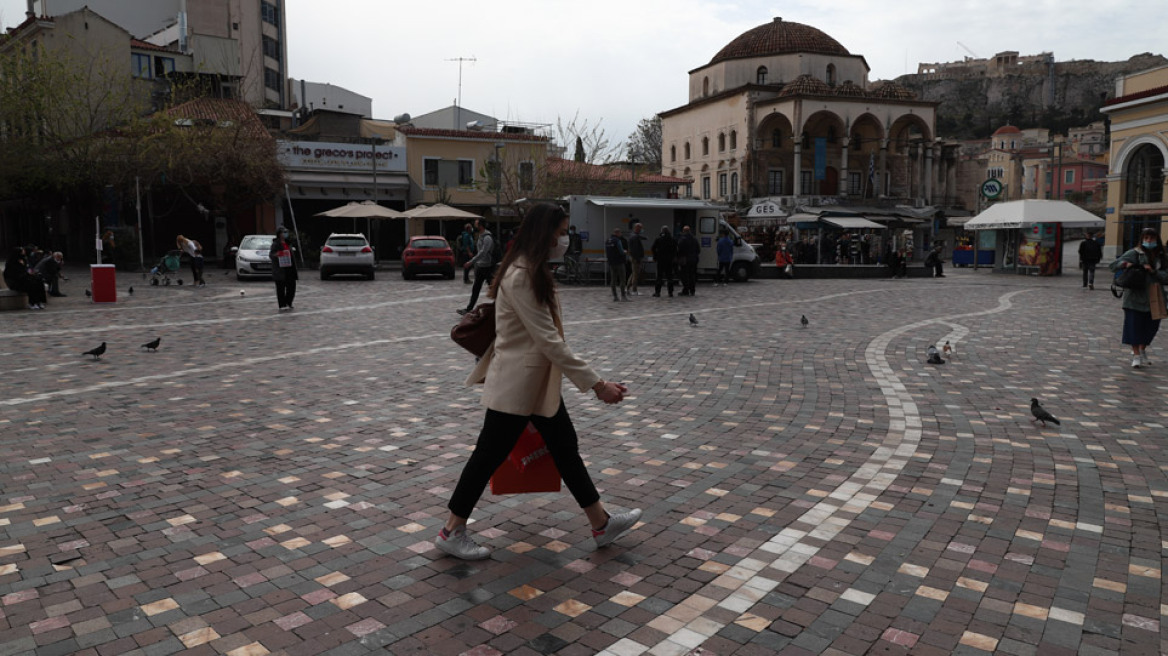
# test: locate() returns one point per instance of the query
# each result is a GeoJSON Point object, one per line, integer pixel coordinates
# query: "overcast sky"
{"type": "Point", "coordinates": [617, 61]}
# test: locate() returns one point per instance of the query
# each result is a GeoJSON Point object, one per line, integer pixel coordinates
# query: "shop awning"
{"type": "Point", "coordinates": [1024, 213]}
{"type": "Point", "coordinates": [850, 222]}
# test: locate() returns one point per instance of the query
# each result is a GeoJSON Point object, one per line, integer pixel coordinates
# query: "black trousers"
{"type": "Point", "coordinates": [689, 277]}
{"type": "Point", "coordinates": [499, 434]}
{"type": "Point", "coordinates": [664, 276]}
{"type": "Point", "coordinates": [482, 275]}
{"type": "Point", "coordinates": [285, 292]}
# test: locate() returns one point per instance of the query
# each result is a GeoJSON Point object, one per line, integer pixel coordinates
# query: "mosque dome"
{"type": "Point", "coordinates": [779, 37]}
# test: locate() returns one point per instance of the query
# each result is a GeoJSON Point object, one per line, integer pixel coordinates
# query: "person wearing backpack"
{"type": "Point", "coordinates": [487, 255]}
{"type": "Point", "coordinates": [466, 250]}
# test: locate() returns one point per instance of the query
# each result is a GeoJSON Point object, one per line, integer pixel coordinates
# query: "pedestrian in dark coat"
{"type": "Point", "coordinates": [665, 253]}
{"type": "Point", "coordinates": [689, 251]}
{"type": "Point", "coordinates": [283, 270]}
{"type": "Point", "coordinates": [1089, 255]}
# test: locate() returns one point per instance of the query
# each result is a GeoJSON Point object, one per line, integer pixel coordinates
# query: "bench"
{"type": "Point", "coordinates": [11, 299]}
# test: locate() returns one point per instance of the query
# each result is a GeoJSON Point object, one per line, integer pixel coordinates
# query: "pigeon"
{"type": "Point", "coordinates": [152, 346]}
{"type": "Point", "coordinates": [803, 320]}
{"type": "Point", "coordinates": [88, 293]}
{"type": "Point", "coordinates": [1041, 414]}
{"type": "Point", "coordinates": [947, 349]}
{"type": "Point", "coordinates": [97, 352]}
{"type": "Point", "coordinates": [934, 356]}
{"type": "Point", "coordinates": [241, 292]}
{"type": "Point", "coordinates": [131, 290]}
{"type": "Point", "coordinates": [693, 321]}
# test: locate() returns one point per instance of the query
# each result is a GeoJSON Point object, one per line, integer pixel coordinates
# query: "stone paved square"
{"type": "Point", "coordinates": [270, 483]}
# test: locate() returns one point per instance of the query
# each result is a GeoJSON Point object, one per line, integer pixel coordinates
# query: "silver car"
{"type": "Point", "coordinates": [346, 254]}
{"type": "Point", "coordinates": [251, 257]}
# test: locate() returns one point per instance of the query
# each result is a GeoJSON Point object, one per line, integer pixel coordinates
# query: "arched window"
{"type": "Point", "coordinates": [831, 75]}
{"type": "Point", "coordinates": [687, 155]}
{"type": "Point", "coordinates": [705, 86]}
{"type": "Point", "coordinates": [673, 153]}
{"type": "Point", "coordinates": [776, 138]}
{"type": "Point", "coordinates": [705, 145]}
{"type": "Point", "coordinates": [721, 142]}
{"type": "Point", "coordinates": [760, 76]}
{"type": "Point", "coordinates": [733, 183]}
{"type": "Point", "coordinates": [733, 139]}
{"type": "Point", "coordinates": [1145, 176]}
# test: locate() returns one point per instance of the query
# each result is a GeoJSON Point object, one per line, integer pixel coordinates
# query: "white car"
{"type": "Point", "coordinates": [251, 257]}
{"type": "Point", "coordinates": [346, 254]}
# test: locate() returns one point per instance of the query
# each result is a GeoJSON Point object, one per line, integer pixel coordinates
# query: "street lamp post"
{"type": "Point", "coordinates": [498, 182]}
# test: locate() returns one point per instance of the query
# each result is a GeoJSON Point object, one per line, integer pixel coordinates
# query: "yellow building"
{"type": "Point", "coordinates": [457, 167]}
{"type": "Point", "coordinates": [1139, 146]}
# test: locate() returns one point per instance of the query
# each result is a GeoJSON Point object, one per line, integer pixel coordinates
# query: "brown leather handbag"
{"type": "Point", "coordinates": [476, 330]}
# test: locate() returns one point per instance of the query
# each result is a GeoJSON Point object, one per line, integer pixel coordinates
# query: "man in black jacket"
{"type": "Point", "coordinates": [688, 253]}
{"type": "Point", "coordinates": [636, 259]}
{"type": "Point", "coordinates": [664, 253]}
{"type": "Point", "coordinates": [615, 253]}
{"type": "Point", "coordinates": [1089, 255]}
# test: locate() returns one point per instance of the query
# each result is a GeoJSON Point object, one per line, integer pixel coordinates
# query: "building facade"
{"type": "Point", "coordinates": [322, 95]}
{"type": "Point", "coordinates": [243, 39]}
{"type": "Point", "coordinates": [1139, 146]}
{"type": "Point", "coordinates": [784, 110]}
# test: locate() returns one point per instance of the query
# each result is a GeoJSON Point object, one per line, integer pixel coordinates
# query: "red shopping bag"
{"type": "Point", "coordinates": [529, 468]}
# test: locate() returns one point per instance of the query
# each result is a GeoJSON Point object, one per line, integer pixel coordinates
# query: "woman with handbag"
{"type": "Point", "coordinates": [1143, 305]}
{"type": "Point", "coordinates": [522, 373]}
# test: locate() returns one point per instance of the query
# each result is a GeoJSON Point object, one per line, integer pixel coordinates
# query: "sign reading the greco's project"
{"type": "Point", "coordinates": [326, 156]}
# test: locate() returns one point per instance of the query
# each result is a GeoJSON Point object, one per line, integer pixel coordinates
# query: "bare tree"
{"type": "Point", "coordinates": [589, 137]}
{"type": "Point", "coordinates": [645, 143]}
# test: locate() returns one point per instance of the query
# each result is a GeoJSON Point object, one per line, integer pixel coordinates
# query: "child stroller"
{"type": "Point", "coordinates": [168, 266]}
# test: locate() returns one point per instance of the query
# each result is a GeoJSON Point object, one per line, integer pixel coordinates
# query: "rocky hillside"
{"type": "Point", "coordinates": [1068, 96]}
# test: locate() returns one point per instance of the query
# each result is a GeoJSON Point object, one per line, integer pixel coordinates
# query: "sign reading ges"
{"type": "Point", "coordinates": [992, 188]}
{"type": "Point", "coordinates": [341, 156]}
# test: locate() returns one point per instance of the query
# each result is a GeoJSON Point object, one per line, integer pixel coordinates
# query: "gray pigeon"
{"type": "Point", "coordinates": [1041, 414]}
{"type": "Point", "coordinates": [803, 320]}
{"type": "Point", "coordinates": [693, 321]}
{"type": "Point", "coordinates": [97, 352]}
{"type": "Point", "coordinates": [131, 290]}
{"type": "Point", "coordinates": [88, 293]}
{"type": "Point", "coordinates": [153, 345]}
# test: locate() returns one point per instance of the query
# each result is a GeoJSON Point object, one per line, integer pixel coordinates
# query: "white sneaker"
{"type": "Point", "coordinates": [460, 545]}
{"type": "Point", "coordinates": [617, 525]}
{"type": "Point", "coordinates": [1144, 359]}
{"type": "Point", "coordinates": [1136, 362]}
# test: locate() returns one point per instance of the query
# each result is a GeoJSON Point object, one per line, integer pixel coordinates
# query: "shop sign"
{"type": "Point", "coordinates": [341, 157]}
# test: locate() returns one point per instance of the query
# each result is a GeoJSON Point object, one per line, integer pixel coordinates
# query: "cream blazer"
{"type": "Point", "coordinates": [523, 370]}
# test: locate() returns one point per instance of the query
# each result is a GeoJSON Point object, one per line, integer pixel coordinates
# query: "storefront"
{"type": "Point", "coordinates": [1027, 235]}
{"type": "Point", "coordinates": [326, 175]}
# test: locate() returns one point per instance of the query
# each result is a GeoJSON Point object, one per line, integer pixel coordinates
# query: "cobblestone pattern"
{"type": "Point", "coordinates": [270, 483]}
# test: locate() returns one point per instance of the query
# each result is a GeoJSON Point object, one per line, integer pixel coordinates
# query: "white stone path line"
{"type": "Point", "coordinates": [787, 551]}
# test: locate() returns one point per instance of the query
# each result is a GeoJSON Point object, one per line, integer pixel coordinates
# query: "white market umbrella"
{"type": "Point", "coordinates": [439, 211]}
{"type": "Point", "coordinates": [363, 210]}
{"type": "Point", "coordinates": [1025, 213]}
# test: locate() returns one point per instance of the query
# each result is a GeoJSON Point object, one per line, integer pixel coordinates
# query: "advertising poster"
{"type": "Point", "coordinates": [1037, 248]}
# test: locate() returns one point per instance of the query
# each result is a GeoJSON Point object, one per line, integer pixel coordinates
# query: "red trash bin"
{"type": "Point", "coordinates": [104, 283]}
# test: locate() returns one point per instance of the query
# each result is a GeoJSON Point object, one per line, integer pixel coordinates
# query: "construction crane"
{"type": "Point", "coordinates": [966, 49]}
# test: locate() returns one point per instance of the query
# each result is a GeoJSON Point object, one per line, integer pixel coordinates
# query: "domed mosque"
{"type": "Point", "coordinates": [784, 110]}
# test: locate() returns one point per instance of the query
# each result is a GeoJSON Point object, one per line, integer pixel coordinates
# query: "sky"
{"type": "Point", "coordinates": [611, 63]}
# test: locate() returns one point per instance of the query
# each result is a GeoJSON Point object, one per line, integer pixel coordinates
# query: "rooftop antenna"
{"type": "Point", "coordinates": [458, 102]}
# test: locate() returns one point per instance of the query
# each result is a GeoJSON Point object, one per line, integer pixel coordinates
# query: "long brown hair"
{"type": "Point", "coordinates": [534, 244]}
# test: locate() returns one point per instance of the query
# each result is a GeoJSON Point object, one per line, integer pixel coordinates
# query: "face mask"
{"type": "Point", "coordinates": [1149, 244]}
{"type": "Point", "coordinates": [560, 248]}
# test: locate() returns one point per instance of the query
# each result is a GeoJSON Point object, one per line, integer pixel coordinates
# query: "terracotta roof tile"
{"type": "Point", "coordinates": [850, 89]}
{"type": "Point", "coordinates": [890, 90]}
{"type": "Point", "coordinates": [143, 45]}
{"type": "Point", "coordinates": [779, 37]}
{"type": "Point", "coordinates": [805, 85]}
{"type": "Point", "coordinates": [221, 109]}
{"type": "Point", "coordinates": [1137, 96]}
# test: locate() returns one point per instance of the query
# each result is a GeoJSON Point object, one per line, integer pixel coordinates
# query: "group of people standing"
{"type": "Point", "coordinates": [675, 258]}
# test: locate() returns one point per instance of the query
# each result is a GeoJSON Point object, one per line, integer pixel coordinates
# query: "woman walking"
{"type": "Point", "coordinates": [283, 270]}
{"type": "Point", "coordinates": [1143, 308]}
{"type": "Point", "coordinates": [522, 373]}
{"type": "Point", "coordinates": [195, 250]}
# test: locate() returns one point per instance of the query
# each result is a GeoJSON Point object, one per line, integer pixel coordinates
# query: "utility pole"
{"type": "Point", "coordinates": [458, 124]}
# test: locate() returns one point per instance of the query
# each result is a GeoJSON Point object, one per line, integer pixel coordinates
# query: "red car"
{"type": "Point", "coordinates": [427, 254]}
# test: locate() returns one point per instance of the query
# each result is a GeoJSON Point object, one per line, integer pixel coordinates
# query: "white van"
{"type": "Point", "coordinates": [595, 217]}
